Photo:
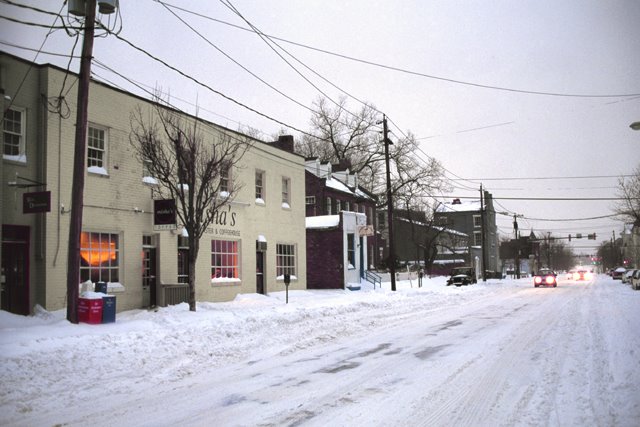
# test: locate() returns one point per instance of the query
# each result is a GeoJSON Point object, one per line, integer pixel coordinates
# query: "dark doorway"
{"type": "Point", "coordinates": [260, 272]}
{"type": "Point", "coordinates": [149, 272]}
{"type": "Point", "coordinates": [363, 267]}
{"type": "Point", "coordinates": [15, 269]}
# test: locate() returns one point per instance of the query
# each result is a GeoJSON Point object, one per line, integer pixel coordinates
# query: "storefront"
{"type": "Point", "coordinates": [254, 240]}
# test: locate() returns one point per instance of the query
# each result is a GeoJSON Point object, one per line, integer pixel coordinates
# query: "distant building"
{"type": "Point", "coordinates": [466, 217]}
{"type": "Point", "coordinates": [417, 241]}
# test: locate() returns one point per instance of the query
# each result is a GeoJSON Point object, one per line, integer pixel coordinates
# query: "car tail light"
{"type": "Point", "coordinates": [537, 279]}
{"type": "Point", "coordinates": [550, 280]}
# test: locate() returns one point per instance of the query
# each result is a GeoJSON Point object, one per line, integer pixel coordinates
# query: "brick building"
{"type": "Point", "coordinates": [341, 241]}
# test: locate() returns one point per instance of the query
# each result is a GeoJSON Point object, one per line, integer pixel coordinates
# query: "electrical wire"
{"type": "Point", "coordinates": [415, 73]}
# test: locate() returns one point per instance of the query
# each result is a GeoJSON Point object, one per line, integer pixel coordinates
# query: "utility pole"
{"type": "Point", "coordinates": [517, 254]}
{"type": "Point", "coordinates": [392, 253]}
{"type": "Point", "coordinates": [77, 191]}
{"type": "Point", "coordinates": [482, 236]}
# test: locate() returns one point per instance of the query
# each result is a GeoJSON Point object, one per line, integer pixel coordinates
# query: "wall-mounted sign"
{"type": "Point", "coordinates": [164, 214]}
{"type": "Point", "coordinates": [365, 230]}
{"type": "Point", "coordinates": [36, 202]}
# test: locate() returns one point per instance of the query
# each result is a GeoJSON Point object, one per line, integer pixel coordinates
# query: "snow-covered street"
{"type": "Point", "coordinates": [501, 353]}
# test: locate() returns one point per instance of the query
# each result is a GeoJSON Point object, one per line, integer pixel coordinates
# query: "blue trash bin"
{"type": "Point", "coordinates": [101, 287]}
{"type": "Point", "coordinates": [108, 309]}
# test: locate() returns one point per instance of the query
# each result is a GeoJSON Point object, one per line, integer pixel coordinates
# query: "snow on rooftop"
{"type": "Point", "coordinates": [322, 221]}
{"type": "Point", "coordinates": [463, 206]}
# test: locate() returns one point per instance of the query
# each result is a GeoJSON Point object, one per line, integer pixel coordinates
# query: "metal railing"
{"type": "Point", "coordinates": [374, 278]}
{"type": "Point", "coordinates": [174, 293]}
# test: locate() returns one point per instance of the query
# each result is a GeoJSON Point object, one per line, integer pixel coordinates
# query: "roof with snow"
{"type": "Point", "coordinates": [460, 206]}
{"type": "Point", "coordinates": [322, 221]}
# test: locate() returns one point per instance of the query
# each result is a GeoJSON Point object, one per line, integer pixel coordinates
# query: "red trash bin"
{"type": "Point", "coordinates": [90, 310]}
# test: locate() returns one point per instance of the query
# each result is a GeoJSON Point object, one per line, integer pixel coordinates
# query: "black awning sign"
{"type": "Point", "coordinates": [164, 214]}
{"type": "Point", "coordinates": [37, 202]}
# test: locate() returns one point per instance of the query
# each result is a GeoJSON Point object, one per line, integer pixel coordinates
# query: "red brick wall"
{"type": "Point", "coordinates": [324, 259]}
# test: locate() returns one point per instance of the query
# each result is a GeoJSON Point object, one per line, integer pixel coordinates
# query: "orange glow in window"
{"type": "Point", "coordinates": [100, 252]}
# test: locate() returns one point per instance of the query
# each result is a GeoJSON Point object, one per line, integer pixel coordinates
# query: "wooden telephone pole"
{"type": "Point", "coordinates": [392, 253]}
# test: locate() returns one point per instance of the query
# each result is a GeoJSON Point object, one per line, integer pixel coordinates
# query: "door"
{"type": "Point", "coordinates": [15, 269]}
{"type": "Point", "coordinates": [260, 272]}
{"type": "Point", "coordinates": [363, 265]}
{"type": "Point", "coordinates": [149, 274]}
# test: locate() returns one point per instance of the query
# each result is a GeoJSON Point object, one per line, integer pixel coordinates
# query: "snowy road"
{"type": "Point", "coordinates": [483, 356]}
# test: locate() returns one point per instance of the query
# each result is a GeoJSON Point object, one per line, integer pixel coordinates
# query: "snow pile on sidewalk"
{"type": "Point", "coordinates": [48, 364]}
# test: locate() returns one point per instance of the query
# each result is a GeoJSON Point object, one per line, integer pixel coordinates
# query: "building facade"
{"type": "Point", "coordinates": [467, 217]}
{"type": "Point", "coordinates": [256, 239]}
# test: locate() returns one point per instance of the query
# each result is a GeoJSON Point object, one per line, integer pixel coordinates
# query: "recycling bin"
{"type": "Point", "coordinates": [90, 310]}
{"type": "Point", "coordinates": [108, 309]}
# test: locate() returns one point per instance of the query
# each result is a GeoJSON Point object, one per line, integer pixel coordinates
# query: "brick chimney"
{"type": "Point", "coordinates": [284, 142]}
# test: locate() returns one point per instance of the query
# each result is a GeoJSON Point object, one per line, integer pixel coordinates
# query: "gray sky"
{"type": "Point", "coordinates": [566, 48]}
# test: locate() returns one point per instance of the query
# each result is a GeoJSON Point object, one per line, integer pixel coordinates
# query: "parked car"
{"type": "Point", "coordinates": [635, 281]}
{"type": "Point", "coordinates": [627, 276]}
{"type": "Point", "coordinates": [462, 276]}
{"type": "Point", "coordinates": [545, 277]}
{"type": "Point", "coordinates": [618, 273]}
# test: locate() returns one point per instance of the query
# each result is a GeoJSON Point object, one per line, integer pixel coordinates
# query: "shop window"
{"type": "Point", "coordinates": [13, 135]}
{"type": "Point", "coordinates": [99, 257]}
{"type": "Point", "coordinates": [224, 260]}
{"type": "Point", "coordinates": [97, 149]}
{"type": "Point", "coordinates": [285, 260]}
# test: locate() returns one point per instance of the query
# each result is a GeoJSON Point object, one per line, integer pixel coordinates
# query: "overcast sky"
{"type": "Point", "coordinates": [497, 91]}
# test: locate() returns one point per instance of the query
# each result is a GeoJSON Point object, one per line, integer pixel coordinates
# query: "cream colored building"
{"type": "Point", "coordinates": [260, 236]}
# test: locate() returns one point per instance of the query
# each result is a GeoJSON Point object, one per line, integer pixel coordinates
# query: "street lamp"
{"type": "Point", "coordinates": [635, 125]}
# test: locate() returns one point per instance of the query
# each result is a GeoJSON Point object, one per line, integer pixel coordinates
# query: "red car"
{"type": "Point", "coordinates": [545, 277]}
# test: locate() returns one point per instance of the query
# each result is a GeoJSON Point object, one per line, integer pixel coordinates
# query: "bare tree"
{"type": "Point", "coordinates": [629, 191]}
{"type": "Point", "coordinates": [355, 140]}
{"type": "Point", "coordinates": [191, 166]}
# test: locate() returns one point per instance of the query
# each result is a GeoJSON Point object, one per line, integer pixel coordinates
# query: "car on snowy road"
{"type": "Point", "coordinates": [582, 275]}
{"type": "Point", "coordinates": [545, 277]}
{"type": "Point", "coordinates": [462, 276]}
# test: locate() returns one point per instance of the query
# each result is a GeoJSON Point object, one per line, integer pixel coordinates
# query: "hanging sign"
{"type": "Point", "coordinates": [164, 214]}
{"type": "Point", "coordinates": [37, 202]}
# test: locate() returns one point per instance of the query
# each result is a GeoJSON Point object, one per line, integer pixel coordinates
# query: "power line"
{"type": "Point", "coordinates": [555, 199]}
{"type": "Point", "coordinates": [415, 73]}
{"type": "Point", "coordinates": [182, 73]}
{"type": "Point", "coordinates": [545, 178]}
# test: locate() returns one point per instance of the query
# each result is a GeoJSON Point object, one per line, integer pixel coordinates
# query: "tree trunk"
{"type": "Point", "coordinates": [194, 247]}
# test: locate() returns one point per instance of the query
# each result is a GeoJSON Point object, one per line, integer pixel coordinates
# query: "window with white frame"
{"type": "Point", "coordinates": [99, 257]}
{"type": "Point", "coordinates": [96, 147]}
{"type": "Point", "coordinates": [225, 179]}
{"type": "Point", "coordinates": [328, 207]}
{"type": "Point", "coordinates": [13, 135]}
{"type": "Point", "coordinates": [338, 206]}
{"type": "Point", "coordinates": [224, 259]}
{"type": "Point", "coordinates": [285, 259]}
{"type": "Point", "coordinates": [477, 221]}
{"type": "Point", "coordinates": [477, 238]}
{"type": "Point", "coordinates": [310, 200]}
{"type": "Point", "coordinates": [260, 185]}
{"type": "Point", "coordinates": [286, 188]}
{"type": "Point", "coordinates": [346, 206]}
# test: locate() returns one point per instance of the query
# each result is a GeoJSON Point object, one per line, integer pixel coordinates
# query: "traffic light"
{"type": "Point", "coordinates": [569, 237]}
{"type": "Point", "coordinates": [592, 236]}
